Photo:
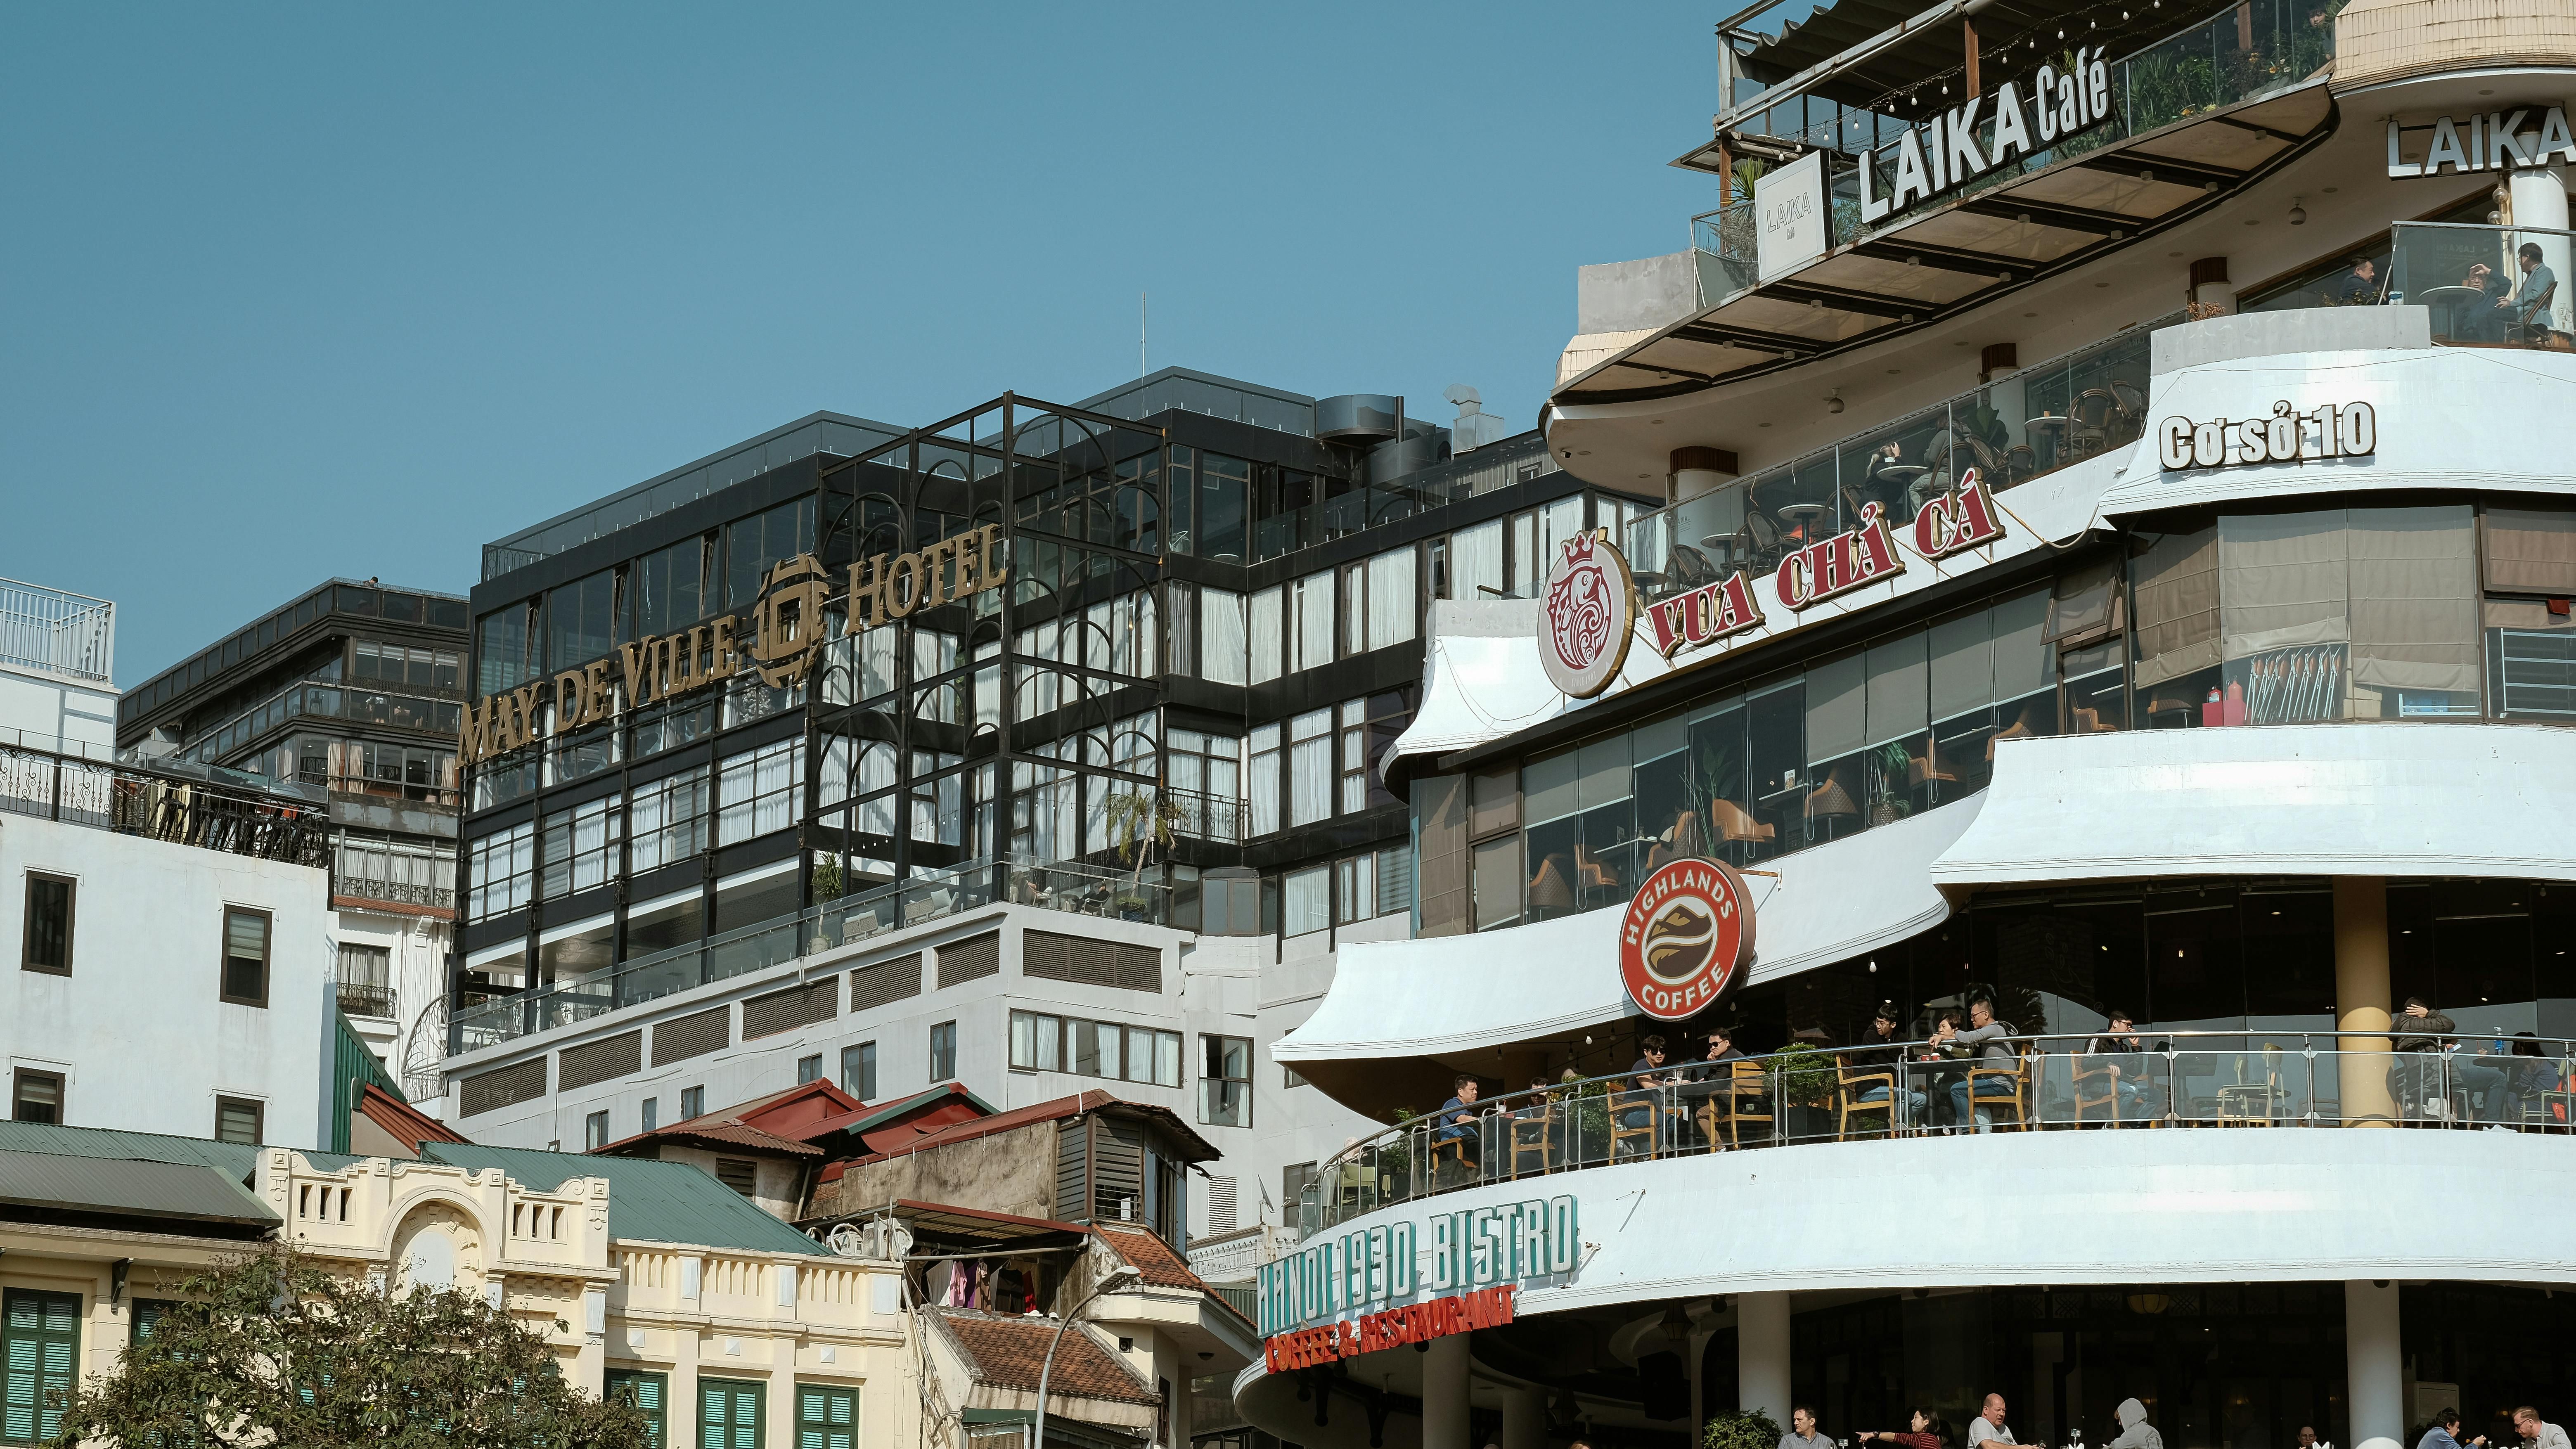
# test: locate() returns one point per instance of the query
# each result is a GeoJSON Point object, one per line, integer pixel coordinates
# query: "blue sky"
{"type": "Point", "coordinates": [289, 292]}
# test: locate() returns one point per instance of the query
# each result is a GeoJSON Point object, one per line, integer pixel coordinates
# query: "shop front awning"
{"type": "Point", "coordinates": [2354, 798]}
{"type": "Point", "coordinates": [1497, 988]}
{"type": "Point", "coordinates": [1960, 255]}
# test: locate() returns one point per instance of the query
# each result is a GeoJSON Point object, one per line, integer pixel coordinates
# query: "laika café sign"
{"type": "Point", "coordinates": [2496, 141]}
{"type": "Point", "coordinates": [780, 640]}
{"type": "Point", "coordinates": [1685, 935]}
{"type": "Point", "coordinates": [1944, 154]}
{"type": "Point", "coordinates": [1587, 615]}
{"type": "Point", "coordinates": [2326, 431]}
{"type": "Point", "coordinates": [1367, 1271]}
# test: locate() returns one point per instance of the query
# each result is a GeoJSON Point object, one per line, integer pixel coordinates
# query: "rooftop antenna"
{"type": "Point", "coordinates": [1140, 334]}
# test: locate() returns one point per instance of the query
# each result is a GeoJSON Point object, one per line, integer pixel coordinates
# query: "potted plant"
{"type": "Point", "coordinates": [1806, 1075]}
{"type": "Point", "coordinates": [1741, 1429]}
{"type": "Point", "coordinates": [1888, 803]}
{"type": "Point", "coordinates": [1130, 906]}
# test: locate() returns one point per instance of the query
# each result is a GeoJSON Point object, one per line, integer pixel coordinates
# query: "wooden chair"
{"type": "Point", "coordinates": [1733, 823]}
{"type": "Point", "coordinates": [2018, 1076]}
{"type": "Point", "coordinates": [1649, 1100]}
{"type": "Point", "coordinates": [1727, 1113]}
{"type": "Point", "coordinates": [1451, 1151]}
{"type": "Point", "coordinates": [1850, 1081]}
{"type": "Point", "coordinates": [1534, 1135]}
{"type": "Point", "coordinates": [2097, 1090]}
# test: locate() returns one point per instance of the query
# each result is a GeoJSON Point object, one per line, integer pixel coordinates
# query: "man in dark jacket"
{"type": "Point", "coordinates": [2417, 1085]}
{"type": "Point", "coordinates": [1882, 1048]}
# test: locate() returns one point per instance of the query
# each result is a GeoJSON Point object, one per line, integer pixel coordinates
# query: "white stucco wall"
{"type": "Point", "coordinates": [138, 1030]}
{"type": "Point", "coordinates": [52, 711]}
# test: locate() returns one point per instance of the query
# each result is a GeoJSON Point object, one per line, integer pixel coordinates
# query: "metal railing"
{"type": "Point", "coordinates": [2472, 281]}
{"type": "Point", "coordinates": [846, 921]}
{"type": "Point", "coordinates": [172, 807]}
{"type": "Point", "coordinates": [2158, 1079]}
{"type": "Point", "coordinates": [1203, 816]}
{"type": "Point", "coordinates": [395, 892]}
{"type": "Point", "coordinates": [2245, 53]}
{"type": "Point", "coordinates": [57, 631]}
{"type": "Point", "coordinates": [365, 998]}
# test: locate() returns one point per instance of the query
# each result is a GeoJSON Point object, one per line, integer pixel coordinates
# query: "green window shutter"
{"type": "Point", "coordinates": [647, 1392]}
{"type": "Point", "coordinates": [146, 1318]}
{"type": "Point", "coordinates": [39, 1343]}
{"type": "Point", "coordinates": [826, 1418]}
{"type": "Point", "coordinates": [729, 1414]}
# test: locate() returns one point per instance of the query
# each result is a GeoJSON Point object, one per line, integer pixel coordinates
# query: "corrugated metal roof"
{"type": "Point", "coordinates": [648, 1199]}
{"type": "Point", "coordinates": [233, 1159]}
{"type": "Point", "coordinates": [190, 1191]}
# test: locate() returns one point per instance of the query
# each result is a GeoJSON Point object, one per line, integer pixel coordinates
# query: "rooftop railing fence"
{"type": "Point", "coordinates": [2049, 1082]}
{"type": "Point", "coordinates": [51, 785]}
{"type": "Point", "coordinates": [56, 631]}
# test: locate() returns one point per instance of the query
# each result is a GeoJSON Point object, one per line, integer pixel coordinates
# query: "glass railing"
{"type": "Point", "coordinates": [2485, 286]}
{"type": "Point", "coordinates": [2247, 52]}
{"type": "Point", "coordinates": [2040, 419]}
{"type": "Point", "coordinates": [846, 921]}
{"type": "Point", "coordinates": [1808, 1094]}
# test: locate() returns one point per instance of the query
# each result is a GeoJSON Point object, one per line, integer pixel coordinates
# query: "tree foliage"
{"type": "Point", "coordinates": [272, 1349]}
{"type": "Point", "coordinates": [1741, 1429]}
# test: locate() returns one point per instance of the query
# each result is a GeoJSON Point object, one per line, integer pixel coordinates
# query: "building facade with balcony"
{"type": "Point", "coordinates": [1095, 804]}
{"type": "Point", "coordinates": [57, 668]}
{"type": "Point", "coordinates": [2113, 582]}
{"type": "Point", "coordinates": [358, 690]}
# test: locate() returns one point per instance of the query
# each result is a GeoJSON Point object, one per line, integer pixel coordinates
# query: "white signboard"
{"type": "Point", "coordinates": [2496, 141]}
{"type": "Point", "coordinates": [1789, 202]}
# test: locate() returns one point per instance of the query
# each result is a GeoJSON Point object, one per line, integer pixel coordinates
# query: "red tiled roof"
{"type": "Point", "coordinates": [726, 1128]}
{"type": "Point", "coordinates": [408, 1124]}
{"type": "Point", "coordinates": [1010, 1350]}
{"type": "Point", "coordinates": [1154, 1258]}
{"type": "Point", "coordinates": [1054, 1111]}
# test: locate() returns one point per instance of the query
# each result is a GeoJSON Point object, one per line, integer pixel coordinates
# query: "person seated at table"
{"type": "Point", "coordinates": [2481, 319]}
{"type": "Point", "coordinates": [1881, 483]}
{"type": "Point", "coordinates": [1936, 1056]}
{"type": "Point", "coordinates": [2532, 302]}
{"type": "Point", "coordinates": [1636, 1108]}
{"type": "Point", "coordinates": [1991, 1040]}
{"type": "Point", "coordinates": [2481, 1078]}
{"type": "Point", "coordinates": [2118, 1051]}
{"type": "Point", "coordinates": [1882, 1048]}
{"type": "Point", "coordinates": [1456, 1122]}
{"type": "Point", "coordinates": [1928, 1432]}
{"type": "Point", "coordinates": [2357, 288]}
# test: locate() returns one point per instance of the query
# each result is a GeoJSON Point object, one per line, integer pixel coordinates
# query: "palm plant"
{"type": "Point", "coordinates": [1138, 821]}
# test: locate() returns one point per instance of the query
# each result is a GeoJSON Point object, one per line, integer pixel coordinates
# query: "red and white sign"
{"type": "Point", "coordinates": [1841, 563]}
{"type": "Point", "coordinates": [1413, 1323]}
{"type": "Point", "coordinates": [1587, 615]}
{"type": "Point", "coordinates": [1685, 935]}
{"type": "Point", "coordinates": [1963, 518]}
{"type": "Point", "coordinates": [1704, 615]}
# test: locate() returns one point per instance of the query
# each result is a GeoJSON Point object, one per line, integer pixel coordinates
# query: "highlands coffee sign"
{"type": "Point", "coordinates": [1684, 937]}
{"type": "Point", "coordinates": [780, 640]}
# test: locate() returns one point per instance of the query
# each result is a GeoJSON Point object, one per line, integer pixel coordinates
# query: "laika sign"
{"type": "Point", "coordinates": [2496, 141]}
{"type": "Point", "coordinates": [1944, 153]}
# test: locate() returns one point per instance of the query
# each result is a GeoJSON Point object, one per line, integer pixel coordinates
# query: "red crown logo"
{"type": "Point", "coordinates": [1579, 549]}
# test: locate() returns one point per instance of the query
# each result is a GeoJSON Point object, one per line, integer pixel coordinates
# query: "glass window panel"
{"type": "Point", "coordinates": [1548, 787]}
{"type": "Point", "coordinates": [2024, 662]}
{"type": "Point", "coordinates": [1837, 707]}
{"type": "Point", "coordinates": [1898, 695]}
{"type": "Point", "coordinates": [1601, 772]}
{"type": "Point", "coordinates": [1309, 905]}
{"type": "Point", "coordinates": [1267, 631]}
{"type": "Point", "coordinates": [1776, 752]}
{"type": "Point", "coordinates": [1962, 663]}
{"type": "Point", "coordinates": [1476, 561]}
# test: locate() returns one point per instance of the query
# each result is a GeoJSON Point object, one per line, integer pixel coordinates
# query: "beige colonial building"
{"type": "Point", "coordinates": [648, 1278]}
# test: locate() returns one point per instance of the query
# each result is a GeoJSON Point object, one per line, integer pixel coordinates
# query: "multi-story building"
{"type": "Point", "coordinates": [356, 689]}
{"type": "Point", "coordinates": [1094, 804]}
{"type": "Point", "coordinates": [647, 1279]}
{"type": "Point", "coordinates": [167, 923]}
{"type": "Point", "coordinates": [2114, 582]}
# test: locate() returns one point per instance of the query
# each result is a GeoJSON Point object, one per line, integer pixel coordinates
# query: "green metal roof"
{"type": "Point", "coordinates": [232, 1159]}
{"type": "Point", "coordinates": [648, 1200]}
{"type": "Point", "coordinates": [352, 1066]}
{"type": "Point", "coordinates": [127, 1188]}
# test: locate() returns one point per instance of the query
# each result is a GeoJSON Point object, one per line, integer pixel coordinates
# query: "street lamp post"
{"type": "Point", "coordinates": [1119, 1277]}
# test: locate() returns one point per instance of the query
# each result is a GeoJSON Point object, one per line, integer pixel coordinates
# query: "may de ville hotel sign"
{"type": "Point", "coordinates": [780, 640]}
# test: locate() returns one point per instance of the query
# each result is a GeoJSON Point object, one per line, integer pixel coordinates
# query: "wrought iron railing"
{"type": "Point", "coordinates": [2175, 1079]}
{"type": "Point", "coordinates": [132, 800]}
{"type": "Point", "coordinates": [1207, 817]}
{"type": "Point", "coordinates": [363, 998]}
{"type": "Point", "coordinates": [57, 631]}
{"type": "Point", "coordinates": [395, 892]}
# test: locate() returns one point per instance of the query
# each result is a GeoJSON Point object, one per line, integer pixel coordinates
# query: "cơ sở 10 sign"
{"type": "Point", "coordinates": [2350, 430]}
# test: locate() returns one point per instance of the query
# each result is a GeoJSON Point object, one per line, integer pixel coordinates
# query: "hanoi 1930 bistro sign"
{"type": "Point", "coordinates": [1366, 1271]}
{"type": "Point", "coordinates": [781, 640]}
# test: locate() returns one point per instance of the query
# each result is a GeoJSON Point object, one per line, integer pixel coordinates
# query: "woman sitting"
{"type": "Point", "coordinates": [1928, 1433]}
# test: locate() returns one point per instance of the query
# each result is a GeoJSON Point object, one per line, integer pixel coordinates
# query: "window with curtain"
{"type": "Point", "coordinates": [1313, 636]}
{"type": "Point", "coordinates": [2531, 551]}
{"type": "Point", "coordinates": [1221, 641]}
{"type": "Point", "coordinates": [1354, 583]}
{"type": "Point", "coordinates": [1354, 756]}
{"type": "Point", "coordinates": [756, 791]}
{"type": "Point", "coordinates": [667, 821]}
{"type": "Point", "coordinates": [1267, 627]}
{"type": "Point", "coordinates": [1391, 603]}
{"type": "Point", "coordinates": [1557, 522]}
{"type": "Point", "coordinates": [1476, 561]}
{"type": "Point", "coordinates": [1310, 767]}
{"type": "Point", "coordinates": [1263, 762]}
{"type": "Point", "coordinates": [1525, 568]}
{"type": "Point", "coordinates": [2175, 580]}
{"type": "Point", "coordinates": [580, 847]}
{"type": "Point", "coordinates": [1309, 901]}
{"type": "Point", "coordinates": [498, 866]}
{"type": "Point", "coordinates": [2359, 613]}
{"type": "Point", "coordinates": [2414, 612]}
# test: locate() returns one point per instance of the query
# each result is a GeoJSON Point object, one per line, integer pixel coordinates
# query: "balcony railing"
{"type": "Point", "coordinates": [366, 998]}
{"type": "Point", "coordinates": [2246, 53]}
{"type": "Point", "coordinates": [2494, 286]}
{"type": "Point", "coordinates": [56, 631]}
{"type": "Point", "coordinates": [2034, 422]}
{"type": "Point", "coordinates": [395, 892]}
{"type": "Point", "coordinates": [165, 806]}
{"type": "Point", "coordinates": [847, 921]}
{"type": "Point", "coordinates": [1208, 817]}
{"type": "Point", "coordinates": [2050, 1083]}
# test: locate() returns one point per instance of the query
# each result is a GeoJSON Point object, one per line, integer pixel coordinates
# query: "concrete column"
{"type": "Point", "coordinates": [680, 1415]}
{"type": "Point", "coordinates": [1524, 1419]}
{"type": "Point", "coordinates": [1444, 1394]}
{"type": "Point", "coordinates": [1762, 1353]}
{"type": "Point", "coordinates": [2362, 999]}
{"type": "Point", "coordinates": [1693, 1366]}
{"type": "Point", "coordinates": [2374, 1368]}
{"type": "Point", "coordinates": [2540, 200]}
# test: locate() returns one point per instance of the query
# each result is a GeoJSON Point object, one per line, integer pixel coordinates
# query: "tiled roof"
{"type": "Point", "coordinates": [192, 1194]}
{"type": "Point", "coordinates": [1154, 1258]}
{"type": "Point", "coordinates": [1009, 1350]}
{"type": "Point", "coordinates": [407, 1123]}
{"type": "Point", "coordinates": [236, 1161]}
{"type": "Point", "coordinates": [1053, 1111]}
{"type": "Point", "coordinates": [648, 1199]}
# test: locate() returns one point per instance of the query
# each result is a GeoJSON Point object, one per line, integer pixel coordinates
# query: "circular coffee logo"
{"type": "Point", "coordinates": [1684, 937]}
{"type": "Point", "coordinates": [1587, 615]}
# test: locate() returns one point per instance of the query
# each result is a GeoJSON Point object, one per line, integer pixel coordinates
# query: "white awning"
{"type": "Point", "coordinates": [2355, 798]}
{"type": "Point", "coordinates": [1828, 903]}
